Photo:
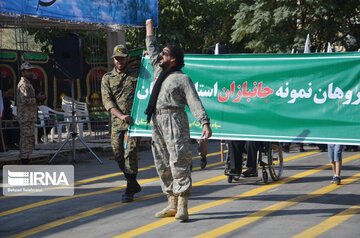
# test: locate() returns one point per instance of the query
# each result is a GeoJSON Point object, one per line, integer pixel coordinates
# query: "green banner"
{"type": "Point", "coordinates": [269, 97]}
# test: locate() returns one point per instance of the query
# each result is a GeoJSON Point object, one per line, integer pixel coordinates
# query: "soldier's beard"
{"type": "Point", "coordinates": [164, 66]}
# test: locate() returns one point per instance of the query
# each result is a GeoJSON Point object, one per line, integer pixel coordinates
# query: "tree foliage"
{"type": "Point", "coordinates": [281, 25]}
{"type": "Point", "coordinates": [196, 25]}
{"type": "Point", "coordinates": [243, 25]}
{"type": "Point", "coordinates": [94, 41]}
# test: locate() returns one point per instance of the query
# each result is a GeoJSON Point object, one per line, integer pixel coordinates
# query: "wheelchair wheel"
{"type": "Point", "coordinates": [275, 160]}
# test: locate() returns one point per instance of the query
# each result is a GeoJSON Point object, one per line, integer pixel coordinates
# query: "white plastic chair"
{"type": "Point", "coordinates": [81, 113]}
{"type": "Point", "coordinates": [58, 119]}
{"type": "Point", "coordinates": [40, 124]}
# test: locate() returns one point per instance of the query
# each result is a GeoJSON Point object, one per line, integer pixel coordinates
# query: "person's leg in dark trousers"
{"type": "Point", "coordinates": [252, 148]}
{"type": "Point", "coordinates": [286, 147]}
{"type": "Point", "coordinates": [322, 147]}
{"type": "Point", "coordinates": [236, 148]}
{"type": "Point", "coordinates": [301, 147]}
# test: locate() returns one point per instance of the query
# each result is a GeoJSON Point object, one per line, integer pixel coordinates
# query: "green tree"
{"type": "Point", "coordinates": [196, 24]}
{"type": "Point", "coordinates": [94, 41]}
{"type": "Point", "coordinates": [244, 25]}
{"type": "Point", "coordinates": [281, 25]}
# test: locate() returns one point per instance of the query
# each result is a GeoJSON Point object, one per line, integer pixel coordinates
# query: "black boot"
{"type": "Point", "coordinates": [203, 162]}
{"type": "Point", "coordinates": [132, 187]}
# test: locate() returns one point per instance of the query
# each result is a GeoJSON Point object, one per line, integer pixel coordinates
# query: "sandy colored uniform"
{"type": "Point", "coordinates": [171, 133]}
{"type": "Point", "coordinates": [118, 91]}
{"type": "Point", "coordinates": [27, 115]}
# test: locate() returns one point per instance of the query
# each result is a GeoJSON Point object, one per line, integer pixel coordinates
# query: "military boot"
{"type": "Point", "coordinates": [170, 210]}
{"type": "Point", "coordinates": [132, 187]}
{"type": "Point", "coordinates": [182, 209]}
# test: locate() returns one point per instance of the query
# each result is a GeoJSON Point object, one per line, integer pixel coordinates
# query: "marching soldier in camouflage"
{"type": "Point", "coordinates": [118, 90]}
{"type": "Point", "coordinates": [26, 112]}
{"type": "Point", "coordinates": [172, 92]}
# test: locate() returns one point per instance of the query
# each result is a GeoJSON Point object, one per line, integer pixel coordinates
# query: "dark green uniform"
{"type": "Point", "coordinates": [118, 90]}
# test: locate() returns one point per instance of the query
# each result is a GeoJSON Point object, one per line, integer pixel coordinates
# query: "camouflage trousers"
{"type": "Point", "coordinates": [172, 152]}
{"type": "Point", "coordinates": [27, 139]}
{"type": "Point", "coordinates": [125, 157]}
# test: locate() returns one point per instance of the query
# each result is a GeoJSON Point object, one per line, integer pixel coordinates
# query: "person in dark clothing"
{"type": "Point", "coordinates": [236, 150]}
{"type": "Point", "coordinates": [252, 148]}
{"type": "Point", "coordinates": [286, 147]}
{"type": "Point", "coordinates": [41, 101]}
{"type": "Point", "coordinates": [11, 130]}
{"type": "Point", "coordinates": [322, 147]}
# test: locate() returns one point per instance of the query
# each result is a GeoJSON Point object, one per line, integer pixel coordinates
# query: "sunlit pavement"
{"type": "Point", "coordinates": [303, 203]}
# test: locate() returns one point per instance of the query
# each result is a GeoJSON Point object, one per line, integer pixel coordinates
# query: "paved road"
{"type": "Point", "coordinates": [302, 204]}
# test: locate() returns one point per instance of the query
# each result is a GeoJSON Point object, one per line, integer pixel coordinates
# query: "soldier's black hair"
{"type": "Point", "coordinates": [178, 54]}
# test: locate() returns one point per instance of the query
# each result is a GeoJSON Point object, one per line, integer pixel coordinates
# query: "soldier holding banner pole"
{"type": "Point", "coordinates": [117, 89]}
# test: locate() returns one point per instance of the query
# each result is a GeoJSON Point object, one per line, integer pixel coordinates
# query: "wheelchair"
{"type": "Point", "coordinates": [269, 160]}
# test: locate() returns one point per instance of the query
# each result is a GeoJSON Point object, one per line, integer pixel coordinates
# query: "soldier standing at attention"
{"type": "Point", "coordinates": [27, 112]}
{"type": "Point", "coordinates": [118, 90]}
{"type": "Point", "coordinates": [173, 90]}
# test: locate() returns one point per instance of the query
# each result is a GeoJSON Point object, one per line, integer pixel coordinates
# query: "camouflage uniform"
{"type": "Point", "coordinates": [171, 133]}
{"type": "Point", "coordinates": [118, 91]}
{"type": "Point", "coordinates": [27, 115]}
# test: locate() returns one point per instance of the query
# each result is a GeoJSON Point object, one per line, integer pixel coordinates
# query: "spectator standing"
{"type": "Point", "coordinates": [11, 130]}
{"type": "Point", "coordinates": [335, 157]}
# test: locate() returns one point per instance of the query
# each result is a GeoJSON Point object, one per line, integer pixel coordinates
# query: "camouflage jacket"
{"type": "Point", "coordinates": [26, 101]}
{"type": "Point", "coordinates": [177, 90]}
{"type": "Point", "coordinates": [118, 90]}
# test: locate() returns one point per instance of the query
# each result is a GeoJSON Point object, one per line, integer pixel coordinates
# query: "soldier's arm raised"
{"type": "Point", "coordinates": [149, 27]}
{"type": "Point", "coordinates": [152, 47]}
